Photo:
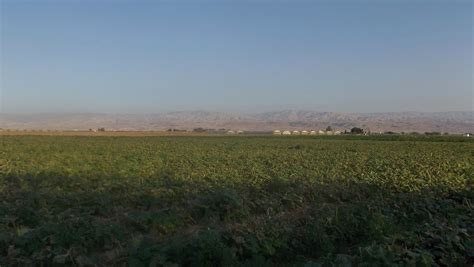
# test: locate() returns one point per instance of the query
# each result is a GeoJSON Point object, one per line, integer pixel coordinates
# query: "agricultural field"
{"type": "Point", "coordinates": [236, 200]}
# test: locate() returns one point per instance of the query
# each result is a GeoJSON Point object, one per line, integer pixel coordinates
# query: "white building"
{"type": "Point", "coordinates": [295, 132]}
{"type": "Point", "coordinates": [313, 132]}
{"type": "Point", "coordinates": [277, 132]}
{"type": "Point", "coordinates": [304, 132]}
{"type": "Point", "coordinates": [286, 133]}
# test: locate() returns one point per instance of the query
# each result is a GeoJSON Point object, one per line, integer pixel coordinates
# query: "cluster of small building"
{"type": "Point", "coordinates": [305, 132]}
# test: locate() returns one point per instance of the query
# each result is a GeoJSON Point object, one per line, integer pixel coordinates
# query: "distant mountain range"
{"type": "Point", "coordinates": [453, 122]}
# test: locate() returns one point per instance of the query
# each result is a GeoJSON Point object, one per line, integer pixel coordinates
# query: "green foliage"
{"type": "Point", "coordinates": [357, 130]}
{"type": "Point", "coordinates": [394, 200]}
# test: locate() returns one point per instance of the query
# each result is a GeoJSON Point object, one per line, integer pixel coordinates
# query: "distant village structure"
{"type": "Point", "coordinates": [307, 132]}
{"type": "Point", "coordinates": [235, 132]}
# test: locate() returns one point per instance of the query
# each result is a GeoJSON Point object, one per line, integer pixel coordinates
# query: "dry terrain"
{"type": "Point", "coordinates": [452, 122]}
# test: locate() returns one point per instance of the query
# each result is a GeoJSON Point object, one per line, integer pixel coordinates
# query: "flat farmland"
{"type": "Point", "coordinates": [236, 200]}
{"type": "Point", "coordinates": [98, 134]}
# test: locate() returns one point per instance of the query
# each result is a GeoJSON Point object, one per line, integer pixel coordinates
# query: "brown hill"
{"type": "Point", "coordinates": [453, 122]}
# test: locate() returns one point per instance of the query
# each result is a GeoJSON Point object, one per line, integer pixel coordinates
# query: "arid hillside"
{"type": "Point", "coordinates": [452, 122]}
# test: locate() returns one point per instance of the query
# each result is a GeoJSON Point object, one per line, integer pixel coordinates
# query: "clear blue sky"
{"type": "Point", "coordinates": [152, 56]}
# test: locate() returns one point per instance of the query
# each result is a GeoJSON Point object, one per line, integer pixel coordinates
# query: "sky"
{"type": "Point", "coordinates": [154, 56]}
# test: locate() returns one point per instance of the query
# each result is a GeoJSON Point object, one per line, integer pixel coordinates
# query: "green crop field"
{"type": "Point", "coordinates": [240, 200]}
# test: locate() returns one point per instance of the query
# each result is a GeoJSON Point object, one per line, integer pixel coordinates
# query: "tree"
{"type": "Point", "coordinates": [329, 129]}
{"type": "Point", "coordinates": [357, 130]}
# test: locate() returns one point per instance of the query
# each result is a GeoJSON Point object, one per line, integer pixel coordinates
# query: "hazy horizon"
{"type": "Point", "coordinates": [152, 57]}
{"type": "Point", "coordinates": [234, 112]}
